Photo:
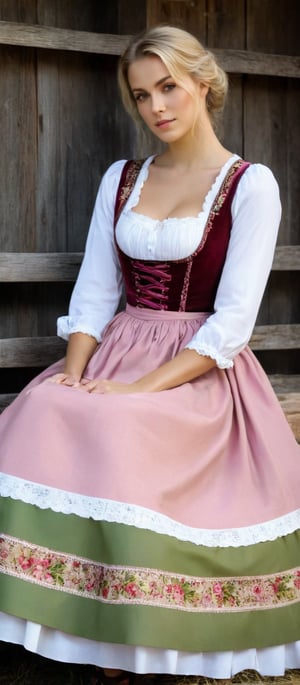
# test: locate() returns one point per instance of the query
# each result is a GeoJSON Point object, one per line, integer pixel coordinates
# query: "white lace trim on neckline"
{"type": "Point", "coordinates": [111, 511]}
{"type": "Point", "coordinates": [134, 197]}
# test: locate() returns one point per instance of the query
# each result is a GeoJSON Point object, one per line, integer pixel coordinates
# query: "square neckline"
{"type": "Point", "coordinates": [134, 198]}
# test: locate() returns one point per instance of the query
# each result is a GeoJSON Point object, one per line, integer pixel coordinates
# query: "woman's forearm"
{"type": "Point", "coordinates": [79, 351]}
{"type": "Point", "coordinates": [186, 366]}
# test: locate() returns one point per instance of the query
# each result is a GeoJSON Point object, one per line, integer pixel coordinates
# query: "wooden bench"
{"type": "Point", "coordinates": [39, 352]}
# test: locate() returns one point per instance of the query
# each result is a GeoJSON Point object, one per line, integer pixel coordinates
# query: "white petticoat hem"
{"type": "Point", "coordinates": [272, 661]}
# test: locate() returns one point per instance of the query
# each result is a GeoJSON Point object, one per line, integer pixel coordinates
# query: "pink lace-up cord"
{"type": "Point", "coordinates": [151, 284]}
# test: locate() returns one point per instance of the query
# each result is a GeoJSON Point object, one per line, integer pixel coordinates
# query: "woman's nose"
{"type": "Point", "coordinates": [158, 104]}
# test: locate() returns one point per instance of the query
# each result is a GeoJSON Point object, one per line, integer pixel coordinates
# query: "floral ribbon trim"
{"type": "Point", "coordinates": [153, 587]}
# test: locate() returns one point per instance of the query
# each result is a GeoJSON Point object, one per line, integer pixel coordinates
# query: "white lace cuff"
{"type": "Point", "coordinates": [66, 325]}
{"type": "Point", "coordinates": [211, 352]}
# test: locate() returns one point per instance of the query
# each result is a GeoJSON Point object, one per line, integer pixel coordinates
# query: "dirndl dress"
{"type": "Point", "coordinates": [154, 532]}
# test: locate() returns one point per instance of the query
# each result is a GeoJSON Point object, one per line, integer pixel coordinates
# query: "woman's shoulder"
{"type": "Point", "coordinates": [257, 191]}
{"type": "Point", "coordinates": [114, 170]}
{"type": "Point", "coordinates": [258, 177]}
{"type": "Point", "coordinates": [112, 175]}
{"type": "Point", "coordinates": [109, 183]}
{"type": "Point", "coordinates": [257, 184]}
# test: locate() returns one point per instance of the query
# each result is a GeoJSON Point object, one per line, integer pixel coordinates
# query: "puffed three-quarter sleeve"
{"type": "Point", "coordinates": [256, 213]}
{"type": "Point", "coordinates": [98, 288]}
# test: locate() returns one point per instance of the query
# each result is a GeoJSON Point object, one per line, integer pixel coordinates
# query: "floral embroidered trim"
{"type": "Point", "coordinates": [186, 283]}
{"type": "Point", "coordinates": [219, 201]}
{"type": "Point", "coordinates": [152, 587]}
{"type": "Point", "coordinates": [128, 178]}
{"type": "Point", "coordinates": [64, 502]}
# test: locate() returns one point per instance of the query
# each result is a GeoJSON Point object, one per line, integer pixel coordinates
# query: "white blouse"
{"type": "Point", "coordinates": [256, 213]}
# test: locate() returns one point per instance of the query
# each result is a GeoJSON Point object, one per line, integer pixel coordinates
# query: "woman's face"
{"type": "Point", "coordinates": [168, 109]}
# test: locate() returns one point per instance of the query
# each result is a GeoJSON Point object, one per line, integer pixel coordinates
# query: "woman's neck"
{"type": "Point", "coordinates": [202, 150]}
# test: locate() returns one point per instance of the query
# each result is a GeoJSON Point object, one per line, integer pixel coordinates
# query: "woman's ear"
{"type": "Point", "coordinates": [203, 88]}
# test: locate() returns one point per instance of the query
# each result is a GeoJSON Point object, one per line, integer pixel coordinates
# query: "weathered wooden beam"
{"type": "Point", "coordinates": [234, 61]}
{"type": "Point", "coordinates": [276, 337]}
{"type": "Point", "coordinates": [290, 403]}
{"type": "Point", "coordinates": [22, 267]}
{"type": "Point", "coordinates": [285, 383]}
{"type": "Point", "coordinates": [6, 399]}
{"type": "Point", "coordinates": [52, 38]}
{"type": "Point", "coordinates": [263, 64]}
{"type": "Point", "coordinates": [27, 352]}
{"type": "Point", "coordinates": [286, 258]}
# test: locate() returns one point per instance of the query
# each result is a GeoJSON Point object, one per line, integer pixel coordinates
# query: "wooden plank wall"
{"type": "Point", "coordinates": [62, 124]}
{"type": "Point", "coordinates": [261, 122]}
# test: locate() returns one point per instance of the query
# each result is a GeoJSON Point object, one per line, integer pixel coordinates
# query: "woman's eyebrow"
{"type": "Point", "coordinates": [158, 83]}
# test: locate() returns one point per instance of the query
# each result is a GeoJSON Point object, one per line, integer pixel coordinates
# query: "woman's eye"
{"type": "Point", "coordinates": [169, 86]}
{"type": "Point", "coordinates": [140, 97]}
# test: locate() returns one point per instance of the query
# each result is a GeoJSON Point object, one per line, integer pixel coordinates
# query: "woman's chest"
{"type": "Point", "coordinates": [142, 237]}
{"type": "Point", "coordinates": [164, 197]}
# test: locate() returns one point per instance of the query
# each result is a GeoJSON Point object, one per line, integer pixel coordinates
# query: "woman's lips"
{"type": "Point", "coordinates": [164, 122]}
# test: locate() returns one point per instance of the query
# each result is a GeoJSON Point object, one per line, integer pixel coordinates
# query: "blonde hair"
{"type": "Point", "coordinates": [183, 55]}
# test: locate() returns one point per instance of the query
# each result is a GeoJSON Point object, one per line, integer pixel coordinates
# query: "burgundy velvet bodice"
{"type": "Point", "coordinates": [188, 284]}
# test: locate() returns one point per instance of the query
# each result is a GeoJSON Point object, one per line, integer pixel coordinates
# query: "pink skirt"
{"type": "Point", "coordinates": [186, 502]}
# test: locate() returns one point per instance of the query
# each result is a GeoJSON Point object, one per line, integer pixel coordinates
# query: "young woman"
{"type": "Point", "coordinates": [150, 483]}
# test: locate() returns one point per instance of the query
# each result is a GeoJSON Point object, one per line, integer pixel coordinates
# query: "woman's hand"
{"type": "Point", "coordinates": [107, 387]}
{"type": "Point", "coordinates": [79, 351]}
{"type": "Point", "coordinates": [100, 386]}
{"type": "Point", "coordinates": [64, 379]}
